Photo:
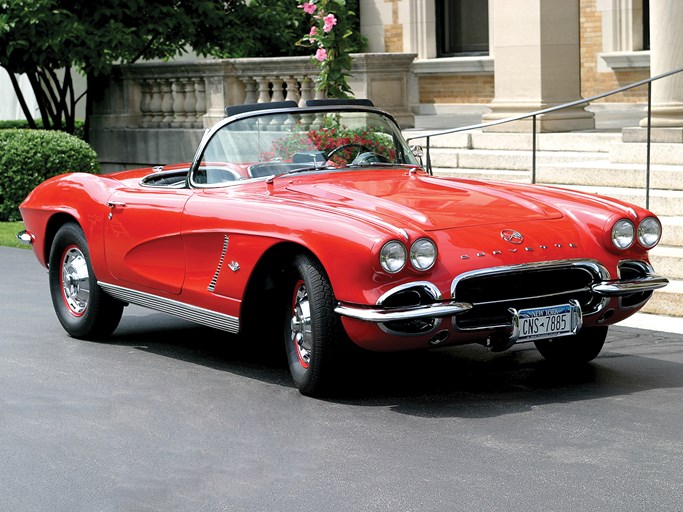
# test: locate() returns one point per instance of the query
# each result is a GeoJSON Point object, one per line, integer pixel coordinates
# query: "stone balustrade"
{"type": "Point", "coordinates": [155, 113]}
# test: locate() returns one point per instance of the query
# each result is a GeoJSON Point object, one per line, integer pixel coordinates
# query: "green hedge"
{"type": "Point", "coordinates": [79, 130]}
{"type": "Point", "coordinates": [29, 157]}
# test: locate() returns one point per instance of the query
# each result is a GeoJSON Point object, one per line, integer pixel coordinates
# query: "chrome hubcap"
{"type": "Point", "coordinates": [301, 325]}
{"type": "Point", "coordinates": [75, 281]}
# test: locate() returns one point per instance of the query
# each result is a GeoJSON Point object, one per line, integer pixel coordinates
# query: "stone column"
{"type": "Point", "coordinates": [535, 47]}
{"type": "Point", "coordinates": [666, 54]}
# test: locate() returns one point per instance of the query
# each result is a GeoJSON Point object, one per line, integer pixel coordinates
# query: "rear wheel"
{"type": "Point", "coordinates": [82, 308]}
{"type": "Point", "coordinates": [313, 335]}
{"type": "Point", "coordinates": [581, 348]}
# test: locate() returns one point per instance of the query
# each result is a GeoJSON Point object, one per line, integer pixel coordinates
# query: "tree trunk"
{"type": "Point", "coordinates": [22, 101]}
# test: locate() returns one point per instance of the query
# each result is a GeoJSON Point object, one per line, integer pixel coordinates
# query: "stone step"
{"type": "Point", "coordinates": [672, 231]}
{"type": "Point", "coordinates": [667, 154]}
{"type": "Point", "coordinates": [459, 140]}
{"type": "Point", "coordinates": [581, 142]}
{"type": "Point", "coordinates": [668, 261]}
{"type": "Point", "coordinates": [662, 202]}
{"type": "Point", "coordinates": [484, 174]}
{"type": "Point", "coordinates": [667, 301]}
{"type": "Point", "coordinates": [505, 160]}
{"type": "Point", "coordinates": [607, 174]}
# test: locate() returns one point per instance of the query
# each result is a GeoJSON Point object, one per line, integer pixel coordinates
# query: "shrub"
{"type": "Point", "coordinates": [29, 157]}
{"type": "Point", "coordinates": [79, 129]}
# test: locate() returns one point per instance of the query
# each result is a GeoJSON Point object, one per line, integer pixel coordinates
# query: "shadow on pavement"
{"type": "Point", "coordinates": [467, 381]}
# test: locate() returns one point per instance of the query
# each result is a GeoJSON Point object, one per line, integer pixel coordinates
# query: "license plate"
{"type": "Point", "coordinates": [548, 322]}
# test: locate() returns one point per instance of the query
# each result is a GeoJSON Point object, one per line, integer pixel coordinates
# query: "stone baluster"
{"type": "Point", "coordinates": [306, 94]}
{"type": "Point", "coordinates": [155, 104]}
{"type": "Point", "coordinates": [145, 99]}
{"type": "Point", "coordinates": [179, 115]}
{"type": "Point", "coordinates": [200, 90]}
{"type": "Point", "coordinates": [166, 103]}
{"type": "Point", "coordinates": [250, 88]}
{"type": "Point", "coordinates": [306, 90]}
{"type": "Point", "coordinates": [293, 94]}
{"type": "Point", "coordinates": [263, 89]}
{"type": "Point", "coordinates": [292, 86]}
{"type": "Point", "coordinates": [278, 88]}
{"type": "Point", "coordinates": [190, 106]}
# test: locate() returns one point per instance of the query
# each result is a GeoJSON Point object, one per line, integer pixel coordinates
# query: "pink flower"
{"type": "Point", "coordinates": [308, 7]}
{"type": "Point", "coordinates": [311, 34]}
{"type": "Point", "coordinates": [321, 54]}
{"type": "Point", "coordinates": [330, 21]}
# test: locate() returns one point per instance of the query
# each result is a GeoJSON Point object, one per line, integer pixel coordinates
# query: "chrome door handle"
{"type": "Point", "coordinates": [114, 204]}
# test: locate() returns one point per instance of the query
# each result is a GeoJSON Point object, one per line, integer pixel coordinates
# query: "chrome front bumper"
{"type": "Point", "coordinates": [647, 283]}
{"type": "Point", "coordinates": [382, 314]}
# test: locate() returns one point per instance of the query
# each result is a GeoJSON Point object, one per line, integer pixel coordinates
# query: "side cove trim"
{"type": "Point", "coordinates": [173, 307]}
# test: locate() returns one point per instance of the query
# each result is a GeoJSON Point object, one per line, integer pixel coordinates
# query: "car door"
{"type": "Point", "coordinates": [143, 243]}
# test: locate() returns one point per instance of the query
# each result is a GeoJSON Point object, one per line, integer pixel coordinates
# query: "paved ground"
{"type": "Point", "coordinates": [172, 417]}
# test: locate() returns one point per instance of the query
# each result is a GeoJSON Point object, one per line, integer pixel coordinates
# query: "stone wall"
{"type": "Point", "coordinates": [594, 81]}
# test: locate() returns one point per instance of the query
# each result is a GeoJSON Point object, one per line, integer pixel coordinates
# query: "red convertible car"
{"type": "Point", "coordinates": [320, 224]}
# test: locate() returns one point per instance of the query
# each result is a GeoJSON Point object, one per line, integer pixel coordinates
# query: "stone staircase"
{"type": "Point", "coordinates": [596, 162]}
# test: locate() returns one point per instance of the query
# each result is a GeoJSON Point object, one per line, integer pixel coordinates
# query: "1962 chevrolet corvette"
{"type": "Point", "coordinates": [320, 223]}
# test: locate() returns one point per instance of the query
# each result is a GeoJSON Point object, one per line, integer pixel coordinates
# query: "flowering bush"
{"type": "Point", "coordinates": [330, 35]}
{"type": "Point", "coordinates": [332, 136]}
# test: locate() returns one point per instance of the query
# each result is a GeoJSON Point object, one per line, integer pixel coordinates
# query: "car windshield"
{"type": "Point", "coordinates": [271, 144]}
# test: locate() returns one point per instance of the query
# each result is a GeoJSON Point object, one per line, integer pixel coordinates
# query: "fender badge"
{"type": "Point", "coordinates": [512, 236]}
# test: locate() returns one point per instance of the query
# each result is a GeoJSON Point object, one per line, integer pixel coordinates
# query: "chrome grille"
{"type": "Point", "coordinates": [492, 291]}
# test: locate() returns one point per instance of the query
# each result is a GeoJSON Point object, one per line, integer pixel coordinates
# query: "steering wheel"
{"type": "Point", "coordinates": [368, 157]}
{"type": "Point", "coordinates": [360, 147]}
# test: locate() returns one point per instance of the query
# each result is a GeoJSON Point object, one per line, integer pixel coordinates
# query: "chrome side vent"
{"type": "Point", "coordinates": [212, 285]}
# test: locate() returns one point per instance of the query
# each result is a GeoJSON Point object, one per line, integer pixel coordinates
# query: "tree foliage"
{"type": "Point", "coordinates": [41, 37]}
{"type": "Point", "coordinates": [273, 28]}
{"type": "Point", "coordinates": [46, 39]}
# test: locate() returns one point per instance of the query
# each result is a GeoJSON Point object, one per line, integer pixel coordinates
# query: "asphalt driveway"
{"type": "Point", "coordinates": [168, 416]}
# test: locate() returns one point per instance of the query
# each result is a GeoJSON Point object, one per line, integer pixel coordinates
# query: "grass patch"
{"type": "Point", "coordinates": [8, 234]}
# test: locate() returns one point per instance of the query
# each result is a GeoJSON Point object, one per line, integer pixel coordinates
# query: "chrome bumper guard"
{"type": "Point", "coordinates": [618, 288]}
{"type": "Point", "coordinates": [381, 315]}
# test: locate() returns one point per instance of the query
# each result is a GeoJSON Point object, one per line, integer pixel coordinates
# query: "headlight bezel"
{"type": "Point", "coordinates": [641, 237]}
{"type": "Point", "coordinates": [413, 256]}
{"type": "Point", "coordinates": [619, 230]}
{"type": "Point", "coordinates": [385, 253]}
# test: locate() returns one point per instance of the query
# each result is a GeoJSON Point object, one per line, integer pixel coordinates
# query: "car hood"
{"type": "Point", "coordinates": [425, 202]}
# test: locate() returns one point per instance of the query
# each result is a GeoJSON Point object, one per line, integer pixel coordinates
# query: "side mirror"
{"type": "Point", "coordinates": [417, 152]}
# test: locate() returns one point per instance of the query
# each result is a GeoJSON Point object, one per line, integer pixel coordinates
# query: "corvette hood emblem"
{"type": "Point", "coordinates": [512, 236]}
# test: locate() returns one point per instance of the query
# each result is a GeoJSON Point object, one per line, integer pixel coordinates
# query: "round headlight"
{"type": "Point", "coordinates": [649, 232]}
{"type": "Point", "coordinates": [423, 254]}
{"type": "Point", "coordinates": [393, 256]}
{"type": "Point", "coordinates": [623, 234]}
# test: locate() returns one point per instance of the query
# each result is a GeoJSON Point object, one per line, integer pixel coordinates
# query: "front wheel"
{"type": "Point", "coordinates": [580, 348]}
{"type": "Point", "coordinates": [313, 334]}
{"type": "Point", "coordinates": [82, 308]}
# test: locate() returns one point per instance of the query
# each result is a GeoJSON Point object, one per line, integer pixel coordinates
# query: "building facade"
{"type": "Point", "coordinates": [508, 57]}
